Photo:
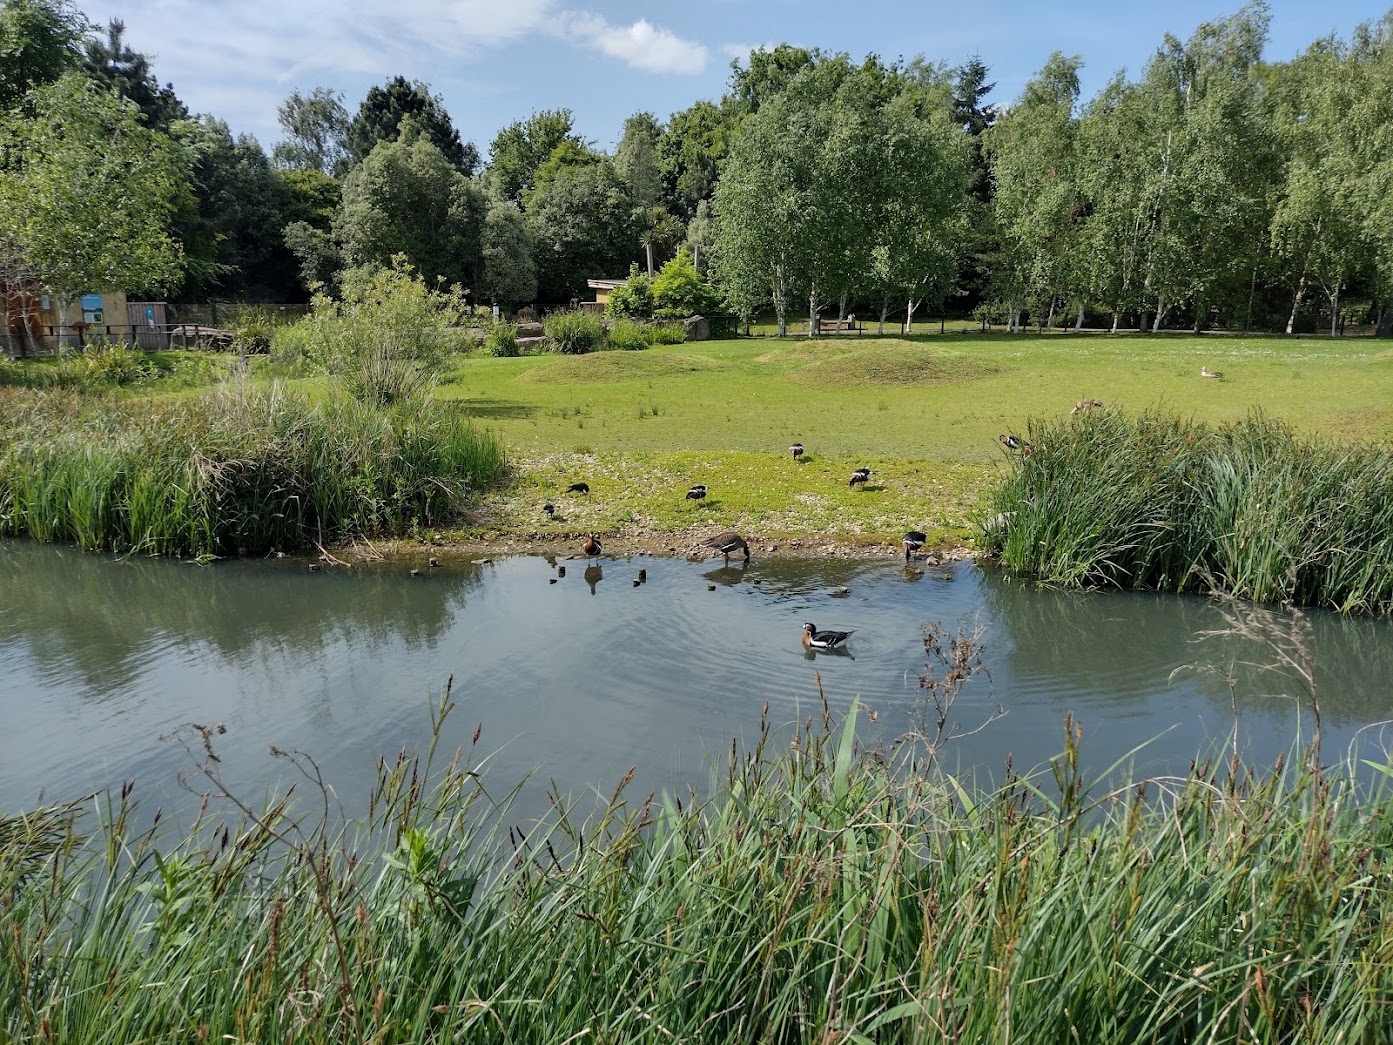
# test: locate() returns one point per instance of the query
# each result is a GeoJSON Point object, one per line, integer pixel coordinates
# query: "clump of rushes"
{"type": "Point", "coordinates": [1155, 501]}
{"type": "Point", "coordinates": [820, 892]}
{"type": "Point", "coordinates": [502, 340]}
{"type": "Point", "coordinates": [627, 334]}
{"type": "Point", "coordinates": [238, 471]}
{"type": "Point", "coordinates": [575, 332]}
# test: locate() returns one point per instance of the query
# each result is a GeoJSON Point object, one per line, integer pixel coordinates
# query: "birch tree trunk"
{"type": "Point", "coordinates": [813, 306]}
{"type": "Point", "coordinates": [884, 311]}
{"type": "Point", "coordinates": [909, 316]}
{"type": "Point", "coordinates": [1078, 323]}
{"type": "Point", "coordinates": [1334, 310]}
{"type": "Point", "coordinates": [1296, 303]}
{"type": "Point", "coordinates": [1160, 313]}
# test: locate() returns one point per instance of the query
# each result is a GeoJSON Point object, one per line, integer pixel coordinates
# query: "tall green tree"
{"type": "Point", "coordinates": [385, 108]}
{"type": "Point", "coordinates": [690, 154]}
{"type": "Point", "coordinates": [584, 226]}
{"type": "Point", "coordinates": [111, 62]}
{"type": "Point", "coordinates": [316, 132]}
{"type": "Point", "coordinates": [408, 200]}
{"type": "Point", "coordinates": [519, 149]}
{"type": "Point", "coordinates": [508, 270]}
{"type": "Point", "coordinates": [88, 193]}
{"type": "Point", "coordinates": [38, 43]}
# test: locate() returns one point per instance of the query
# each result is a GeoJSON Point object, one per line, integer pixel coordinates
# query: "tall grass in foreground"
{"type": "Point", "coordinates": [239, 471]}
{"type": "Point", "coordinates": [821, 892]}
{"type": "Point", "coordinates": [1155, 501]}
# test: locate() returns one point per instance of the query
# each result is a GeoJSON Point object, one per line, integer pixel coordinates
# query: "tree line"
{"type": "Point", "coordinates": [1212, 189]}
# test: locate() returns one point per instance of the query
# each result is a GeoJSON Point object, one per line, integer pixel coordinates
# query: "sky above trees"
{"type": "Point", "coordinates": [495, 62]}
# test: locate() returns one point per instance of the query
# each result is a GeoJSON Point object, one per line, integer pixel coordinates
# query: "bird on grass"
{"type": "Point", "coordinates": [796, 450]}
{"type": "Point", "coordinates": [549, 508]}
{"type": "Point", "coordinates": [1014, 442]}
{"type": "Point", "coordinates": [1206, 372]}
{"type": "Point", "coordinates": [814, 639]}
{"type": "Point", "coordinates": [913, 541]}
{"type": "Point", "coordinates": [591, 547]}
{"type": "Point", "coordinates": [578, 488]}
{"type": "Point", "coordinates": [696, 493]}
{"type": "Point", "coordinates": [726, 543]}
{"type": "Point", "coordinates": [859, 476]}
{"type": "Point", "coordinates": [1086, 404]}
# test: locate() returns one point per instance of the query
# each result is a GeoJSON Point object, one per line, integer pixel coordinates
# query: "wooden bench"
{"type": "Point", "coordinates": [837, 326]}
{"type": "Point", "coordinates": [201, 336]}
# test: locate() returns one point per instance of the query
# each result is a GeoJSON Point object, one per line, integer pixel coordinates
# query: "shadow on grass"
{"type": "Point", "coordinates": [497, 408]}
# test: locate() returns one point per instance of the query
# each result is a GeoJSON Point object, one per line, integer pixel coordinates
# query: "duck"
{"type": "Point", "coordinates": [1011, 442]}
{"type": "Point", "coordinates": [860, 476]}
{"type": "Point", "coordinates": [796, 450]}
{"type": "Point", "coordinates": [696, 493]}
{"type": "Point", "coordinates": [913, 541]}
{"type": "Point", "coordinates": [726, 543]}
{"type": "Point", "coordinates": [814, 639]}
{"type": "Point", "coordinates": [591, 547]}
{"type": "Point", "coordinates": [549, 508]}
{"type": "Point", "coordinates": [1206, 372]}
{"type": "Point", "coordinates": [578, 488]}
{"type": "Point", "coordinates": [1086, 404]}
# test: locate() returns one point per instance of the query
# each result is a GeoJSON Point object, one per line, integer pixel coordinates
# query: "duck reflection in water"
{"type": "Point", "coordinates": [727, 575]}
{"type": "Point", "coordinates": [593, 576]}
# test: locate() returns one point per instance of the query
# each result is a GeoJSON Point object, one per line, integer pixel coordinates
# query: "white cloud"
{"type": "Point", "coordinates": [642, 45]}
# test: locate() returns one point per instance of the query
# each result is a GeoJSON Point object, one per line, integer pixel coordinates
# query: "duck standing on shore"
{"type": "Point", "coordinates": [814, 639]}
{"type": "Point", "coordinates": [591, 547]}
{"type": "Point", "coordinates": [860, 475]}
{"type": "Point", "coordinates": [726, 543]}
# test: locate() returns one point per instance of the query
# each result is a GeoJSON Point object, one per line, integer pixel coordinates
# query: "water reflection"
{"type": "Point", "coordinates": [578, 680]}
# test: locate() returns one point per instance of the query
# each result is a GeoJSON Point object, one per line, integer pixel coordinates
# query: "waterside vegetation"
{"type": "Point", "coordinates": [821, 891]}
{"type": "Point", "coordinates": [1153, 500]}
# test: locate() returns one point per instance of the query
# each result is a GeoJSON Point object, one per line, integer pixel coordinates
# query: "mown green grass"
{"type": "Point", "coordinates": [820, 893]}
{"type": "Point", "coordinates": [924, 412]}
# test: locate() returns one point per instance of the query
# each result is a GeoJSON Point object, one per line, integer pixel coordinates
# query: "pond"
{"type": "Point", "coordinates": [574, 679]}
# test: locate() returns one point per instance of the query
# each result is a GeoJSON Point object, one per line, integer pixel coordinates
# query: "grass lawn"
{"type": "Point", "coordinates": [924, 413]}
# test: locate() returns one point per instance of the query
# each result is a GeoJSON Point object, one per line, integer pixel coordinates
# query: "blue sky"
{"type": "Point", "coordinates": [495, 61]}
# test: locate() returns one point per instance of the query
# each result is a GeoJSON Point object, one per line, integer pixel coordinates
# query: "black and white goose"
{"type": "Point", "coordinates": [814, 639]}
{"type": "Point", "coordinates": [913, 541]}
{"type": "Point", "coordinates": [696, 493]}
{"type": "Point", "coordinates": [860, 476]}
{"type": "Point", "coordinates": [729, 543]}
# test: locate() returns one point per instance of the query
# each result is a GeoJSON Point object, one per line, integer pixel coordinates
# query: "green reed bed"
{"type": "Point", "coordinates": [238, 471]}
{"type": "Point", "coordinates": [821, 893]}
{"type": "Point", "coordinates": [1155, 501]}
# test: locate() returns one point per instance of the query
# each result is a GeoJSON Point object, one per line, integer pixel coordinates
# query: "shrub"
{"type": "Point", "coordinates": [502, 340]}
{"type": "Point", "coordinates": [667, 333]}
{"type": "Point", "coordinates": [679, 292]}
{"type": "Point", "coordinates": [633, 298]}
{"type": "Point", "coordinates": [574, 332]}
{"type": "Point", "coordinates": [387, 338]}
{"type": "Point", "coordinates": [628, 335]}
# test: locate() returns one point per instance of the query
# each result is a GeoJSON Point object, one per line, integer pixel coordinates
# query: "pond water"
{"type": "Point", "coordinates": [578, 680]}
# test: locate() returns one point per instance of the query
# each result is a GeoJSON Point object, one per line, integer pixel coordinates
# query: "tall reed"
{"type": "Point", "coordinates": [238, 471]}
{"type": "Point", "coordinates": [821, 892]}
{"type": "Point", "coordinates": [1155, 501]}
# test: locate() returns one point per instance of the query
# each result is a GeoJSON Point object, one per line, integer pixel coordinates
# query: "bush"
{"type": "Point", "coordinates": [633, 298]}
{"type": "Point", "coordinates": [627, 335]}
{"type": "Point", "coordinates": [387, 338]}
{"type": "Point", "coordinates": [575, 332]}
{"type": "Point", "coordinates": [667, 333]}
{"type": "Point", "coordinates": [678, 291]}
{"type": "Point", "coordinates": [502, 340]}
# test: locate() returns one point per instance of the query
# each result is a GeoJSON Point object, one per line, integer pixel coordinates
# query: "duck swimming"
{"type": "Point", "coordinates": [814, 639]}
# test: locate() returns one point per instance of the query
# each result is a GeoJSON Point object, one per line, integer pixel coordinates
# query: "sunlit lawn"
{"type": "Point", "coordinates": [924, 413]}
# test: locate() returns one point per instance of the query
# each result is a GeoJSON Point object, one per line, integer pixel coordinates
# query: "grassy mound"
{"type": "Point", "coordinates": [883, 362]}
{"type": "Point", "coordinates": [606, 367]}
{"type": "Point", "coordinates": [239, 471]}
{"type": "Point", "coordinates": [1156, 501]}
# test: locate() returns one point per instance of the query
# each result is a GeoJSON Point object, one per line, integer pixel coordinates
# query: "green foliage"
{"type": "Point", "coordinates": [679, 292]}
{"type": "Point", "coordinates": [633, 298]}
{"type": "Point", "coordinates": [584, 226]}
{"type": "Point", "coordinates": [667, 333]}
{"type": "Point", "coordinates": [508, 273]}
{"type": "Point", "coordinates": [574, 332]}
{"type": "Point", "coordinates": [636, 158]}
{"type": "Point", "coordinates": [316, 133]}
{"type": "Point", "coordinates": [38, 44]}
{"type": "Point", "coordinates": [87, 194]}
{"type": "Point", "coordinates": [386, 339]}
{"type": "Point", "coordinates": [825, 885]}
{"type": "Point", "coordinates": [384, 112]}
{"type": "Point", "coordinates": [236, 472]}
{"type": "Point", "coordinates": [116, 69]}
{"type": "Point", "coordinates": [1155, 501]}
{"type": "Point", "coordinates": [523, 146]}
{"type": "Point", "coordinates": [502, 340]}
{"type": "Point", "coordinates": [627, 335]}
{"type": "Point", "coordinates": [406, 198]}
